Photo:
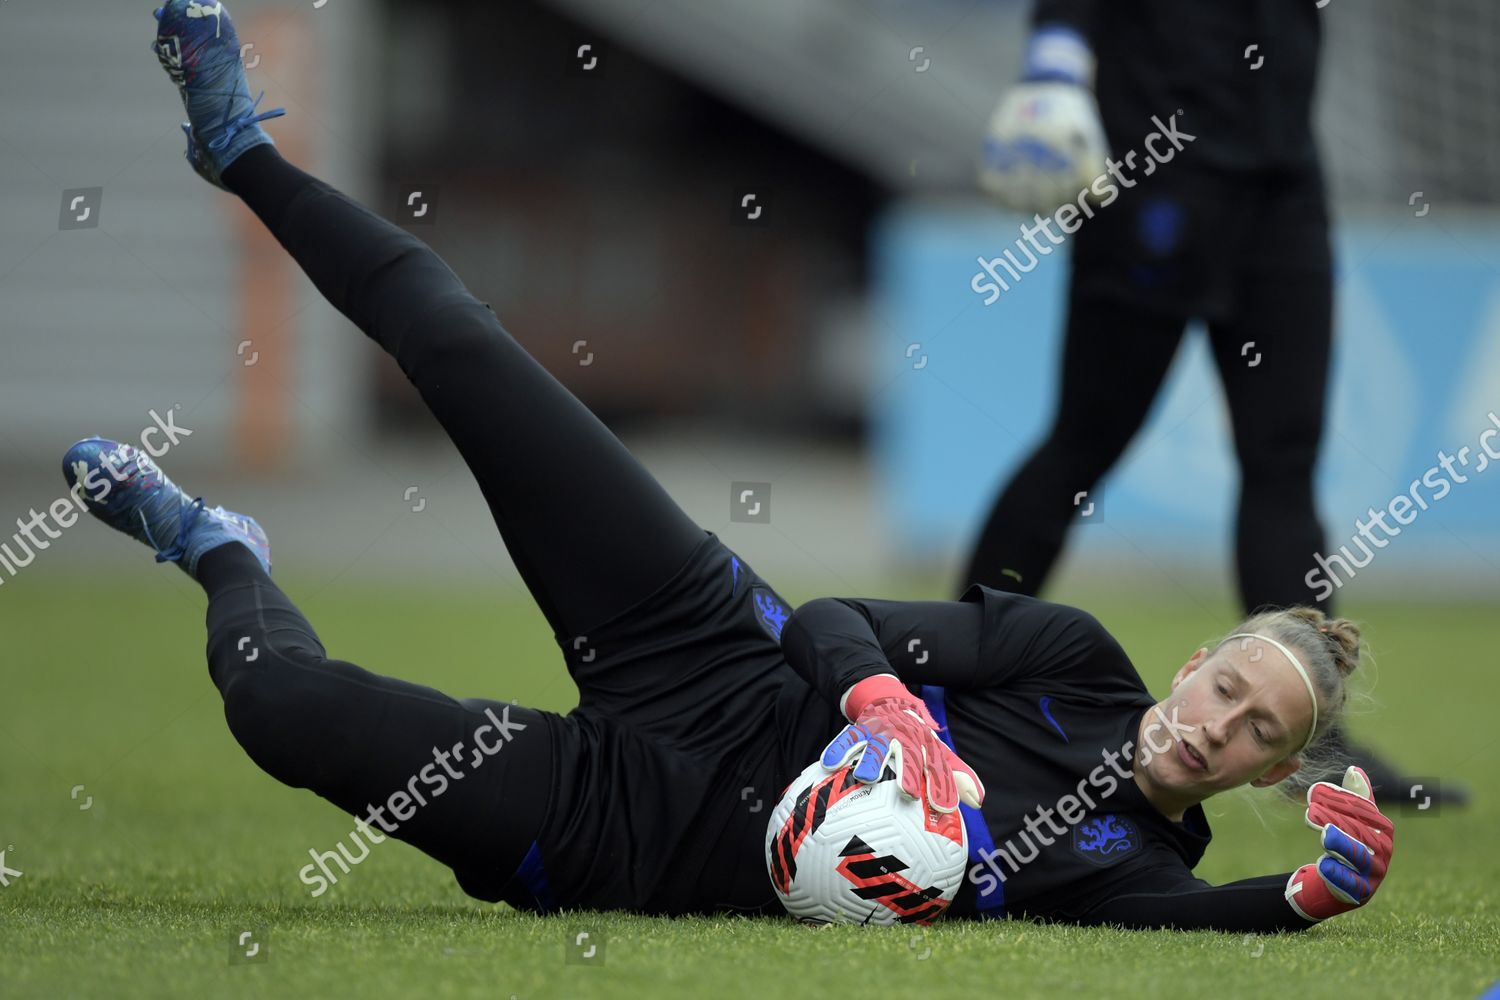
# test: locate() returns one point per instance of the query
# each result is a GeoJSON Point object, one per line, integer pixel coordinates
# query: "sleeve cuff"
{"type": "Point", "coordinates": [871, 689]}
{"type": "Point", "coordinates": [1059, 53]}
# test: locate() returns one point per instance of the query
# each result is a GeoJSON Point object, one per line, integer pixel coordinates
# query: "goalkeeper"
{"type": "Point", "coordinates": [1232, 231]}
{"type": "Point", "coordinates": [700, 694]}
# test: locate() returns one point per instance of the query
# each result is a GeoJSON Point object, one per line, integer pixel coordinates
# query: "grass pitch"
{"type": "Point", "coordinates": [184, 845]}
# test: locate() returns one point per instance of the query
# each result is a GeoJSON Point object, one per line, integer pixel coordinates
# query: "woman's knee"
{"type": "Point", "coordinates": [457, 336]}
{"type": "Point", "coordinates": [1082, 454]}
{"type": "Point", "coordinates": [1277, 459]}
{"type": "Point", "coordinates": [282, 716]}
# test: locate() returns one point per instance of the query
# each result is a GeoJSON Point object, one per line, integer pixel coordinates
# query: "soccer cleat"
{"type": "Point", "coordinates": [198, 47]}
{"type": "Point", "coordinates": [122, 487]}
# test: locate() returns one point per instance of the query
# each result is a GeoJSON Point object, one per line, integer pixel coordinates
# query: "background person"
{"type": "Point", "coordinates": [1233, 231]}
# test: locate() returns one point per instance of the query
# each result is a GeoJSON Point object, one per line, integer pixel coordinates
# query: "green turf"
{"type": "Point", "coordinates": [186, 843]}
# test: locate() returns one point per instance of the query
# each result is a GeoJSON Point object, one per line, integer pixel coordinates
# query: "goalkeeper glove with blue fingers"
{"type": "Point", "coordinates": [1045, 144]}
{"type": "Point", "coordinates": [1358, 841]}
{"type": "Point", "coordinates": [890, 725]}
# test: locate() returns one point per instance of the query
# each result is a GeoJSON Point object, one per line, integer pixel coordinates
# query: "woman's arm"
{"type": "Point", "coordinates": [1255, 905]}
{"type": "Point", "coordinates": [986, 639]}
{"type": "Point", "coordinates": [834, 642]}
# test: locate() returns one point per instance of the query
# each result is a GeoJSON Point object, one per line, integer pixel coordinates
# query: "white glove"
{"type": "Point", "coordinates": [1045, 143]}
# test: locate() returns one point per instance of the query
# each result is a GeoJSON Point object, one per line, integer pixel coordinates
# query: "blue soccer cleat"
{"type": "Point", "coordinates": [200, 50]}
{"type": "Point", "coordinates": [122, 487]}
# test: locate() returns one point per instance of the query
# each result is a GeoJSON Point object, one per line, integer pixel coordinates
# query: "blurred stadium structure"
{"type": "Point", "coordinates": [586, 168]}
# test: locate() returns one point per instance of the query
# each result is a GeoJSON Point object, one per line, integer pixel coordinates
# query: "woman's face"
{"type": "Point", "coordinates": [1234, 717]}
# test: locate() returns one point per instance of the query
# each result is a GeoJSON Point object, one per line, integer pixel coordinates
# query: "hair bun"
{"type": "Point", "coordinates": [1346, 634]}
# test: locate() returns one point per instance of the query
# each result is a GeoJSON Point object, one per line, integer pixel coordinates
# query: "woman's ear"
{"type": "Point", "coordinates": [1278, 772]}
{"type": "Point", "coordinates": [1186, 670]}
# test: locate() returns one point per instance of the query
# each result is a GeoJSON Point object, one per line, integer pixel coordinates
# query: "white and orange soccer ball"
{"type": "Point", "coordinates": [839, 851]}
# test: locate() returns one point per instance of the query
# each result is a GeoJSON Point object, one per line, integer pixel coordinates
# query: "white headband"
{"type": "Point", "coordinates": [1301, 672]}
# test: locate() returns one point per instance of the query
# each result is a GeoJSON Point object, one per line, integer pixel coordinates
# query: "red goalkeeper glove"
{"type": "Point", "coordinates": [891, 725]}
{"type": "Point", "coordinates": [1358, 841]}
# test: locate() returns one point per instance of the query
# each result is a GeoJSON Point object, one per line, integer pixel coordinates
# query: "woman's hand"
{"type": "Point", "coordinates": [890, 725]}
{"type": "Point", "coordinates": [1358, 841]}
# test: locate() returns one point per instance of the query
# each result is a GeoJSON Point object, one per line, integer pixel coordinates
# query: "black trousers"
{"type": "Point", "coordinates": [1249, 254]}
{"type": "Point", "coordinates": [473, 782]}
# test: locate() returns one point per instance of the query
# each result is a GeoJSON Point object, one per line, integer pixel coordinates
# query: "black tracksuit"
{"type": "Point", "coordinates": [654, 793]}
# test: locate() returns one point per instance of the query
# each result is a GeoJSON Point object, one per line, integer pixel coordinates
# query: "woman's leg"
{"type": "Point", "coordinates": [590, 530]}
{"type": "Point", "coordinates": [1285, 308]}
{"type": "Point", "coordinates": [1114, 359]}
{"type": "Point", "coordinates": [467, 782]}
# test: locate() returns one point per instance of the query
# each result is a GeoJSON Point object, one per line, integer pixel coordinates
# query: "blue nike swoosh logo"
{"type": "Point", "coordinates": [1046, 707]}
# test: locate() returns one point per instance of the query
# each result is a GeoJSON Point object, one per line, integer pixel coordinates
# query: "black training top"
{"type": "Point", "coordinates": [1241, 71]}
{"type": "Point", "coordinates": [1045, 706]}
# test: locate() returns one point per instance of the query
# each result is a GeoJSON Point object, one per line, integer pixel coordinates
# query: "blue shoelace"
{"type": "Point", "coordinates": [235, 126]}
{"type": "Point", "coordinates": [186, 520]}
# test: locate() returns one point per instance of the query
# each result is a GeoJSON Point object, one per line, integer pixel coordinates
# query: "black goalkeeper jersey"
{"type": "Point", "coordinates": [1044, 704]}
{"type": "Point", "coordinates": [1242, 73]}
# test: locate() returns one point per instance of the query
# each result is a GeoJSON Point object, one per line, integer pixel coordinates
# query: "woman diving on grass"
{"type": "Point", "coordinates": [696, 681]}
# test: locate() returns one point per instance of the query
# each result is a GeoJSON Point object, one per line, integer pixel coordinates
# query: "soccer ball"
{"type": "Point", "coordinates": [840, 851]}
